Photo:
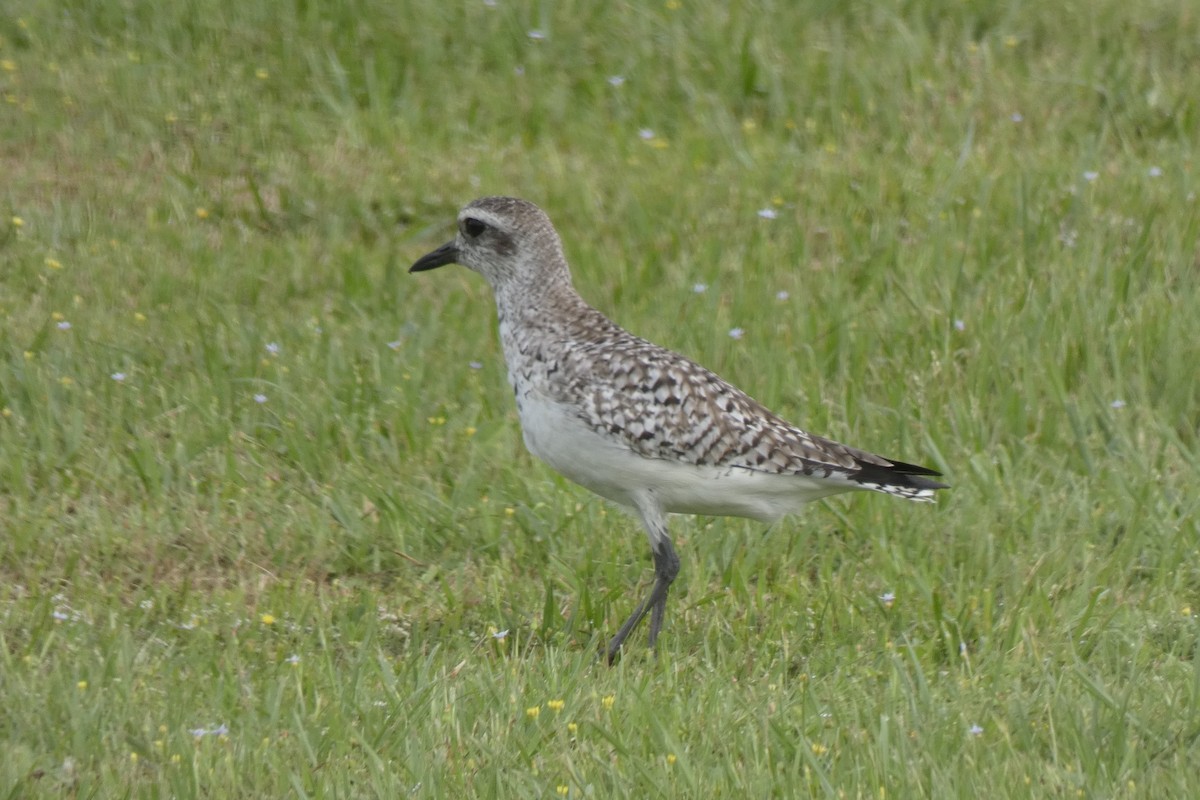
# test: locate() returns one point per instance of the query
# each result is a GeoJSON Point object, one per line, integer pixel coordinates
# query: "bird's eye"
{"type": "Point", "coordinates": [473, 227]}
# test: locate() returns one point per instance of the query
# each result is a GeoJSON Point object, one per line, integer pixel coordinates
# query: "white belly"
{"type": "Point", "coordinates": [605, 465]}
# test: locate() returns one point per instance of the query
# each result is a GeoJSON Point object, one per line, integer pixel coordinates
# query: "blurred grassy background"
{"type": "Point", "coordinates": [265, 507]}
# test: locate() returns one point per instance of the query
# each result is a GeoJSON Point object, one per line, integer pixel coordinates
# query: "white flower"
{"type": "Point", "coordinates": [1090, 175]}
{"type": "Point", "coordinates": [64, 326]}
{"type": "Point", "coordinates": [616, 80]}
{"type": "Point", "coordinates": [1016, 117]}
{"type": "Point", "coordinates": [220, 730]}
{"type": "Point", "coordinates": [736, 333]}
{"type": "Point", "coordinates": [782, 294]}
{"type": "Point", "coordinates": [975, 730]}
{"type": "Point", "coordinates": [498, 635]}
{"type": "Point", "coordinates": [395, 344]}
{"type": "Point", "coordinates": [887, 598]}
{"type": "Point", "coordinates": [260, 398]}
{"type": "Point", "coordinates": [475, 364]}
{"type": "Point", "coordinates": [1117, 404]}
{"type": "Point", "coordinates": [536, 35]}
{"type": "Point", "coordinates": [646, 134]}
{"type": "Point", "coordinates": [273, 348]}
{"type": "Point", "coordinates": [959, 325]}
{"type": "Point", "coordinates": [767, 213]}
{"type": "Point", "coordinates": [118, 376]}
{"type": "Point", "coordinates": [293, 659]}
{"type": "Point", "coordinates": [1154, 172]}
{"type": "Point", "coordinates": [699, 288]}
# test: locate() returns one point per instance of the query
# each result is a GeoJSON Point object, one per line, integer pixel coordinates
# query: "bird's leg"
{"type": "Point", "coordinates": [666, 567]}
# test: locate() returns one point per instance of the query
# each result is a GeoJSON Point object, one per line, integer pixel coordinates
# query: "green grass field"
{"type": "Point", "coordinates": [265, 512]}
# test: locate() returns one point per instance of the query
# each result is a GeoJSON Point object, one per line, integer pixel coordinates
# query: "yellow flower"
{"type": "Point", "coordinates": [509, 511]}
{"type": "Point", "coordinates": [819, 749]}
{"type": "Point", "coordinates": [175, 759]}
{"type": "Point", "coordinates": [267, 619]}
{"type": "Point", "coordinates": [8, 65]}
{"type": "Point", "coordinates": [17, 222]}
{"type": "Point", "coordinates": [1010, 41]}
{"type": "Point", "coordinates": [608, 700]}
{"type": "Point", "coordinates": [533, 711]}
{"type": "Point", "coordinates": [470, 430]}
{"type": "Point", "coordinates": [67, 380]}
{"type": "Point", "coordinates": [53, 263]}
{"type": "Point", "coordinates": [572, 728]}
{"type": "Point", "coordinates": [671, 758]}
{"type": "Point", "coordinates": [81, 685]}
{"type": "Point", "coordinates": [556, 705]}
{"type": "Point", "coordinates": [133, 757]}
{"type": "Point", "coordinates": [673, 5]}
{"type": "Point", "coordinates": [139, 317]}
{"type": "Point", "coordinates": [562, 790]}
{"type": "Point", "coordinates": [202, 213]}
{"type": "Point", "coordinates": [261, 74]}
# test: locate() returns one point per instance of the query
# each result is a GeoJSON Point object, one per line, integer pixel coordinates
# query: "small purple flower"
{"type": "Point", "coordinates": [646, 134]}
{"type": "Point", "coordinates": [273, 348]}
{"type": "Point", "coordinates": [736, 333]}
{"type": "Point", "coordinates": [975, 730]}
{"type": "Point", "coordinates": [536, 35]}
{"type": "Point", "coordinates": [887, 598]}
{"type": "Point", "coordinates": [260, 398]}
{"type": "Point", "coordinates": [699, 288]}
{"type": "Point", "coordinates": [767, 213]}
{"type": "Point", "coordinates": [959, 325]}
{"type": "Point", "coordinates": [395, 344]}
{"type": "Point", "coordinates": [64, 326]}
{"type": "Point", "coordinates": [118, 376]}
{"type": "Point", "coordinates": [1090, 175]}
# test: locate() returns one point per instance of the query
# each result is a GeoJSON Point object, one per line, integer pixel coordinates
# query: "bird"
{"type": "Point", "coordinates": [638, 424]}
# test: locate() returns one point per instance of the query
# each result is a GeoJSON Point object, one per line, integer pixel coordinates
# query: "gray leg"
{"type": "Point", "coordinates": [666, 567]}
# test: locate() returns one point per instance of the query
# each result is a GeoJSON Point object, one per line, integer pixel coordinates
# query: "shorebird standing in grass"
{"type": "Point", "coordinates": [634, 422]}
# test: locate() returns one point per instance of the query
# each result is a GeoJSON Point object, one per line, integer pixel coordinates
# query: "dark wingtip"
{"type": "Point", "coordinates": [898, 473]}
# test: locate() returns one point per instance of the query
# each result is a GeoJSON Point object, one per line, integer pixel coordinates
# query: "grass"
{"type": "Point", "coordinates": [266, 510]}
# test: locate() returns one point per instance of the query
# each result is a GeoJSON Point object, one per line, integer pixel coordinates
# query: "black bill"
{"type": "Point", "coordinates": [446, 254]}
